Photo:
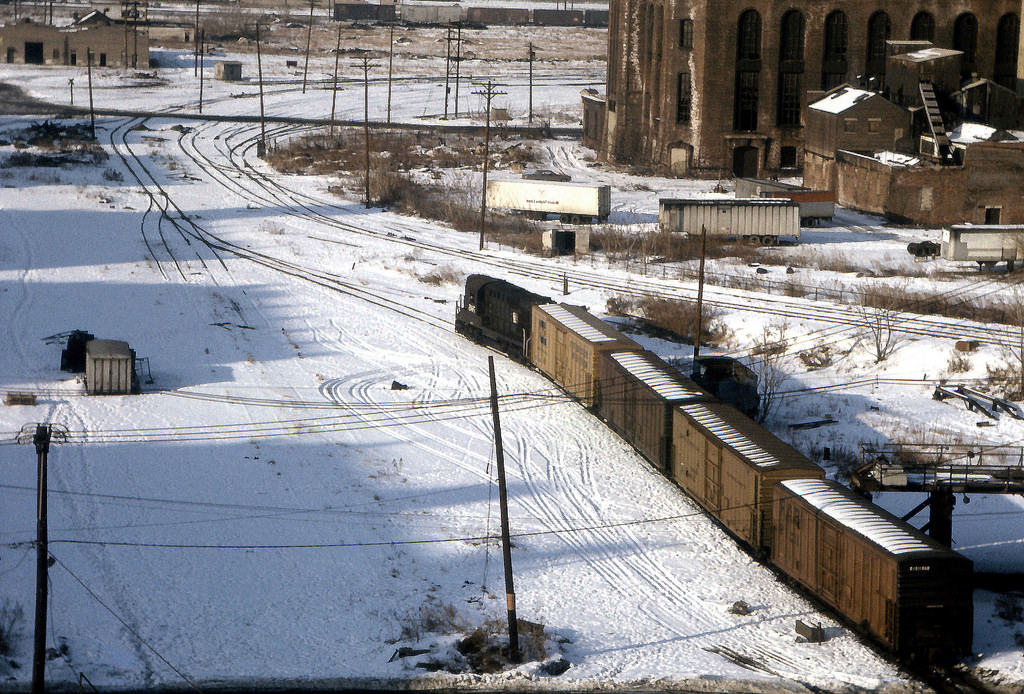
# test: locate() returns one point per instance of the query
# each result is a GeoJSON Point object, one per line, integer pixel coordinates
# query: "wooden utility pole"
{"type": "Point", "coordinates": [334, 91]}
{"type": "Point", "coordinates": [458, 63]}
{"type": "Point", "coordinates": [92, 112]}
{"type": "Point", "coordinates": [42, 444]}
{"type": "Point", "coordinates": [506, 546]}
{"type": "Point", "coordinates": [195, 40]}
{"type": "Point", "coordinates": [261, 149]}
{"type": "Point", "coordinates": [202, 56]}
{"type": "Point", "coordinates": [447, 70]}
{"type": "Point", "coordinates": [391, 61]}
{"type": "Point", "coordinates": [309, 38]}
{"type": "Point", "coordinates": [700, 303]}
{"type": "Point", "coordinates": [531, 55]}
{"type": "Point", "coordinates": [488, 93]}
{"type": "Point", "coordinates": [366, 122]}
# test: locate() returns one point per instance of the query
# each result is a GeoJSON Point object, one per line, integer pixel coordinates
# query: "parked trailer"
{"type": "Point", "coordinates": [906, 590]}
{"type": "Point", "coordinates": [985, 244]}
{"type": "Point", "coordinates": [757, 219]}
{"type": "Point", "coordinates": [574, 203]}
{"type": "Point", "coordinates": [729, 465]}
{"type": "Point", "coordinates": [815, 205]}
{"type": "Point", "coordinates": [566, 343]}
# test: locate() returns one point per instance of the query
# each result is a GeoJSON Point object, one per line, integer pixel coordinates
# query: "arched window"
{"type": "Point", "coordinates": [834, 67]}
{"type": "Point", "coordinates": [748, 39]}
{"type": "Point", "coordinates": [791, 68]}
{"type": "Point", "coordinates": [965, 38]}
{"type": "Point", "coordinates": [922, 27]}
{"type": "Point", "coordinates": [879, 29]}
{"type": "Point", "coordinates": [748, 68]}
{"type": "Point", "coordinates": [1007, 35]}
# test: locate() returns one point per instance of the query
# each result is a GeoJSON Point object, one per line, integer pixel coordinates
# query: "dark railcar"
{"type": "Point", "coordinates": [729, 381]}
{"type": "Point", "coordinates": [595, 18]}
{"type": "Point", "coordinates": [558, 18]}
{"type": "Point", "coordinates": [497, 313]}
{"type": "Point", "coordinates": [637, 393]}
{"type": "Point", "coordinates": [360, 11]}
{"type": "Point", "coordinates": [501, 16]}
{"type": "Point", "coordinates": [909, 592]}
{"type": "Point", "coordinates": [730, 465]}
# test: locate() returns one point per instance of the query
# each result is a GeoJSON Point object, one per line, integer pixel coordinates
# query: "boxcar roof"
{"type": "Point", "coordinates": [657, 375]}
{"type": "Point", "coordinates": [729, 202]}
{"type": "Point", "coordinates": [738, 432]}
{"type": "Point", "coordinates": [864, 517]}
{"type": "Point", "coordinates": [580, 321]}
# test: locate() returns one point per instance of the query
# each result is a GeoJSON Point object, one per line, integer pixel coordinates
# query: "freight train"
{"type": "Point", "coordinates": [909, 593]}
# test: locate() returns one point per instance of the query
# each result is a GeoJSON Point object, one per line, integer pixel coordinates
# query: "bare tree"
{"type": "Point", "coordinates": [767, 356]}
{"type": "Point", "coordinates": [881, 323]}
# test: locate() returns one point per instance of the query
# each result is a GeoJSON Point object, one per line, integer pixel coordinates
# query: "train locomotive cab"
{"type": "Point", "coordinates": [497, 313]}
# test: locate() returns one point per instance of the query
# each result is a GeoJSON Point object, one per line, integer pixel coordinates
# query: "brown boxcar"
{"type": "Point", "coordinates": [905, 589]}
{"type": "Point", "coordinates": [507, 16]}
{"type": "Point", "coordinates": [558, 18]}
{"type": "Point", "coordinates": [565, 344]}
{"type": "Point", "coordinates": [637, 392]}
{"type": "Point", "coordinates": [729, 465]}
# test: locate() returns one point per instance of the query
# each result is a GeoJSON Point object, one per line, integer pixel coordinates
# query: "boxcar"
{"type": "Point", "coordinates": [497, 313]}
{"type": "Point", "coordinates": [729, 465]}
{"type": "Point", "coordinates": [565, 344]}
{"type": "Point", "coordinates": [558, 18]}
{"type": "Point", "coordinates": [638, 392]}
{"type": "Point", "coordinates": [506, 16]}
{"type": "Point", "coordinates": [595, 18]}
{"type": "Point", "coordinates": [905, 589]}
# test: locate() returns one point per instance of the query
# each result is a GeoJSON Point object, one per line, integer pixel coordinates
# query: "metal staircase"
{"type": "Point", "coordinates": [935, 124]}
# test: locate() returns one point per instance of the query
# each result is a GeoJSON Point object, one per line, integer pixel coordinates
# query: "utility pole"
{"type": "Point", "coordinates": [92, 112]}
{"type": "Point", "coordinates": [41, 439]}
{"type": "Point", "coordinates": [447, 70]}
{"type": "Point", "coordinates": [506, 547]}
{"type": "Point", "coordinates": [531, 55]}
{"type": "Point", "coordinates": [261, 149]}
{"type": "Point", "coordinates": [366, 122]}
{"type": "Point", "coordinates": [334, 91]}
{"type": "Point", "coordinates": [458, 63]}
{"type": "Point", "coordinates": [195, 40]}
{"type": "Point", "coordinates": [391, 61]}
{"type": "Point", "coordinates": [695, 370]}
{"type": "Point", "coordinates": [309, 38]}
{"type": "Point", "coordinates": [488, 93]}
{"type": "Point", "coordinates": [202, 56]}
{"type": "Point", "coordinates": [71, 86]}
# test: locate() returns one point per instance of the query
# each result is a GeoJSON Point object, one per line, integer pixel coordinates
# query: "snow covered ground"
{"type": "Point", "coordinates": [270, 510]}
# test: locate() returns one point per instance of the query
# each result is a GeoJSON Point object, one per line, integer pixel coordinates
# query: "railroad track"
{"type": "Point", "coordinates": [842, 320]}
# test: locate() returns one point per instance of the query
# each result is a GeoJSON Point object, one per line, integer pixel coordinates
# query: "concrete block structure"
{"type": "Point", "coordinates": [112, 43]}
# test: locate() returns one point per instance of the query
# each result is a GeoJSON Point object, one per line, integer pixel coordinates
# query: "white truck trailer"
{"type": "Point", "coordinates": [985, 244]}
{"type": "Point", "coordinates": [574, 203]}
{"type": "Point", "coordinates": [762, 220]}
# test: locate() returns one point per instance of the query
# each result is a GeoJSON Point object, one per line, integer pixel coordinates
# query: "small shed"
{"type": "Point", "coordinates": [227, 70]}
{"type": "Point", "coordinates": [109, 368]}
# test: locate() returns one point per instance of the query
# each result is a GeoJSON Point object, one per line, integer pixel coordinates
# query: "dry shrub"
{"type": "Point", "coordinates": [229, 25]}
{"type": "Point", "coordinates": [674, 318]}
{"type": "Point", "coordinates": [434, 618]}
{"type": "Point", "coordinates": [633, 244]}
{"type": "Point", "coordinates": [12, 622]}
{"type": "Point", "coordinates": [485, 649]}
{"type": "Point", "coordinates": [958, 362]}
{"type": "Point", "coordinates": [442, 275]}
{"type": "Point", "coordinates": [817, 357]}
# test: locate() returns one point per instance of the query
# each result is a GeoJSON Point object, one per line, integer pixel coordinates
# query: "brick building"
{"type": "Point", "coordinates": [707, 88]}
{"type": "Point", "coordinates": [113, 43]}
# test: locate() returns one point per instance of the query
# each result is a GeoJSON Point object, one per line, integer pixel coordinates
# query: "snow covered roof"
{"type": "Point", "coordinates": [841, 99]}
{"type": "Point", "coordinates": [580, 321]}
{"type": "Point", "coordinates": [926, 54]}
{"type": "Point", "coordinates": [659, 376]}
{"type": "Point", "coordinates": [727, 424]}
{"type": "Point", "coordinates": [839, 503]}
{"type": "Point", "coordinates": [731, 202]}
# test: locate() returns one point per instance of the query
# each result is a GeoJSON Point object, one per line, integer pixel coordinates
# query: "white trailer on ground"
{"type": "Point", "coordinates": [755, 219]}
{"type": "Point", "coordinates": [574, 203]}
{"type": "Point", "coordinates": [985, 244]}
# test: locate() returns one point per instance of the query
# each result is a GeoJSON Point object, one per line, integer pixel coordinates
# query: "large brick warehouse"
{"type": "Point", "coordinates": [716, 88]}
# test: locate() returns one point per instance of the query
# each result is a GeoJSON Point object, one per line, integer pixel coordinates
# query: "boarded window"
{"type": "Point", "coordinates": [686, 34]}
{"type": "Point", "coordinates": [683, 103]}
